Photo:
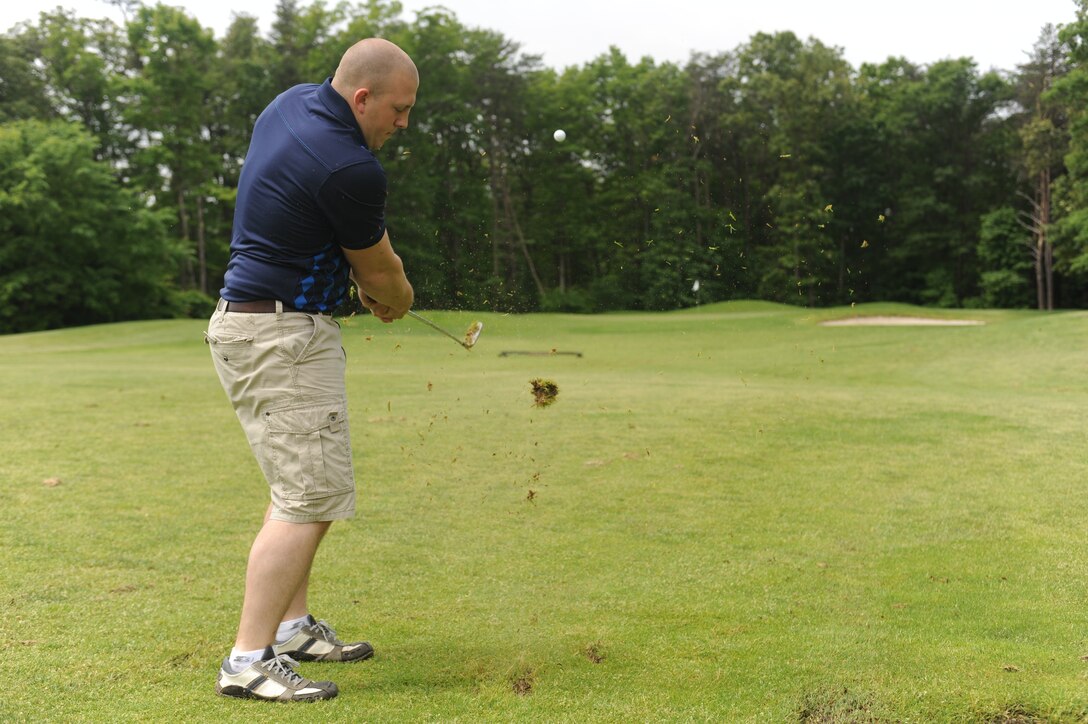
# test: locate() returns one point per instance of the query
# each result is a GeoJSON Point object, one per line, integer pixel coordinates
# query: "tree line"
{"type": "Point", "coordinates": [774, 170]}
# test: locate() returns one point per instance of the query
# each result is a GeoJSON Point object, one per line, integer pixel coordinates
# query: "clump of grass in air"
{"type": "Point", "coordinates": [544, 391]}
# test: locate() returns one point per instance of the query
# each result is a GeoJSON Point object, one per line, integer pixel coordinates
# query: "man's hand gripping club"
{"type": "Point", "coordinates": [379, 274]}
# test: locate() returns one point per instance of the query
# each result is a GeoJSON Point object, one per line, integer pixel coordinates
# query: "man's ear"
{"type": "Point", "coordinates": [360, 98]}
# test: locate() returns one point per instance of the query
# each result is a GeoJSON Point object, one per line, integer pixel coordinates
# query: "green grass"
{"type": "Point", "coordinates": [737, 515]}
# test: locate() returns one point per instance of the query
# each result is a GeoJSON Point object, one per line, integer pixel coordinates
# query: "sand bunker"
{"type": "Point", "coordinates": [900, 322]}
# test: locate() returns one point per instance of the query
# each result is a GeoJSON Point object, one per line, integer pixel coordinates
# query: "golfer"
{"type": "Point", "coordinates": [310, 218]}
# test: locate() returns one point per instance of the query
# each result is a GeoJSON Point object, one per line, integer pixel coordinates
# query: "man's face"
{"type": "Point", "coordinates": [387, 110]}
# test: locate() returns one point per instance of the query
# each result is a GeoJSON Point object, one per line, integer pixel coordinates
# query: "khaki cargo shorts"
{"type": "Point", "coordinates": [284, 374]}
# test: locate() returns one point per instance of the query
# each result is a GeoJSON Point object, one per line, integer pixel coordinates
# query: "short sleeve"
{"type": "Point", "coordinates": [353, 200]}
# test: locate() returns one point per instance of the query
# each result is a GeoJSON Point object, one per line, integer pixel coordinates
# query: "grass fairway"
{"type": "Point", "coordinates": [729, 514]}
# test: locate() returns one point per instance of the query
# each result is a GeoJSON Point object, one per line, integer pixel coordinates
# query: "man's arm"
{"type": "Point", "coordinates": [379, 272]}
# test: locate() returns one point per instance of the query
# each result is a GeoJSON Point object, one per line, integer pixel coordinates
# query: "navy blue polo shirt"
{"type": "Point", "coordinates": [308, 187]}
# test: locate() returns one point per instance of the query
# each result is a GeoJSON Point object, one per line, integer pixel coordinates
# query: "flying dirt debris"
{"type": "Point", "coordinates": [544, 392]}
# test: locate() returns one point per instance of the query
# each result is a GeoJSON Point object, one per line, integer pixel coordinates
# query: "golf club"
{"type": "Point", "coordinates": [471, 335]}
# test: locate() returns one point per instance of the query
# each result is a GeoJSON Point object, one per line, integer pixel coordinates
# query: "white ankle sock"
{"type": "Point", "coordinates": [239, 661]}
{"type": "Point", "coordinates": [289, 628]}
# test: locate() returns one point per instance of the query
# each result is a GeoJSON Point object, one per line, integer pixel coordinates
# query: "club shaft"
{"type": "Point", "coordinates": [436, 328]}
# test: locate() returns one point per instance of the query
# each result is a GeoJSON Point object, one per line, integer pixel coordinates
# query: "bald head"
{"type": "Point", "coordinates": [379, 82]}
{"type": "Point", "coordinates": [372, 63]}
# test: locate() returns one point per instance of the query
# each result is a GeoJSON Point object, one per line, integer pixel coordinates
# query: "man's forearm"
{"type": "Point", "coordinates": [379, 272]}
{"type": "Point", "coordinates": [391, 288]}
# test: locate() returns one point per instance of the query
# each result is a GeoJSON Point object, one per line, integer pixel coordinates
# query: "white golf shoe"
{"type": "Point", "coordinates": [316, 641]}
{"type": "Point", "coordinates": [272, 679]}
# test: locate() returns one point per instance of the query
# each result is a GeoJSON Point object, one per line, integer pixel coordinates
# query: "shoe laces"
{"type": "Point", "coordinates": [326, 632]}
{"type": "Point", "coordinates": [284, 665]}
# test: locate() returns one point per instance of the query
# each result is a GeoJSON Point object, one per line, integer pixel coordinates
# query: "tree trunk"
{"type": "Point", "coordinates": [1049, 264]}
{"type": "Point", "coordinates": [1044, 232]}
{"type": "Point", "coordinates": [455, 250]}
{"type": "Point", "coordinates": [503, 251]}
{"type": "Point", "coordinates": [842, 269]}
{"type": "Point", "coordinates": [1042, 252]}
{"type": "Point", "coordinates": [183, 220]}
{"type": "Point", "coordinates": [496, 268]}
{"type": "Point", "coordinates": [512, 220]}
{"type": "Point", "coordinates": [1040, 292]}
{"type": "Point", "coordinates": [697, 197]}
{"type": "Point", "coordinates": [201, 246]}
{"type": "Point", "coordinates": [697, 100]}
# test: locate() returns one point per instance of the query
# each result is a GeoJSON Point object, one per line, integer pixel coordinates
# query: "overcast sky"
{"type": "Point", "coordinates": [572, 32]}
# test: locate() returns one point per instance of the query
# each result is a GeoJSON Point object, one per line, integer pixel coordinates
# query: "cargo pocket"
{"type": "Point", "coordinates": [229, 347]}
{"type": "Point", "coordinates": [309, 446]}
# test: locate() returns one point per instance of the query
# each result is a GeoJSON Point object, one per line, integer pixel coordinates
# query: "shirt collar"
{"type": "Point", "coordinates": [339, 108]}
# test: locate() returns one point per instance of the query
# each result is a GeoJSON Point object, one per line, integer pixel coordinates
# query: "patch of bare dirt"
{"type": "Point", "coordinates": [896, 321]}
{"type": "Point", "coordinates": [522, 681]}
{"type": "Point", "coordinates": [594, 652]}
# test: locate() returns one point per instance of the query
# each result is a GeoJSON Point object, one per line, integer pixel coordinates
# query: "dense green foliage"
{"type": "Point", "coordinates": [77, 248]}
{"type": "Point", "coordinates": [774, 170]}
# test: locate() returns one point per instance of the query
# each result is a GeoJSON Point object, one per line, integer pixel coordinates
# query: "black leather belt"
{"type": "Point", "coordinates": [261, 306]}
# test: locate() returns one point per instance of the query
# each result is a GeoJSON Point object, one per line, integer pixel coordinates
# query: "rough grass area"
{"type": "Point", "coordinates": [732, 514]}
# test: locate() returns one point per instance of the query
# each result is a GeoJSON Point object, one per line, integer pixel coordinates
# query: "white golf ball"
{"type": "Point", "coordinates": [560, 135]}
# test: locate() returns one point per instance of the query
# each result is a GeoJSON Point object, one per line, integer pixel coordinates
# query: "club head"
{"type": "Point", "coordinates": [473, 334]}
